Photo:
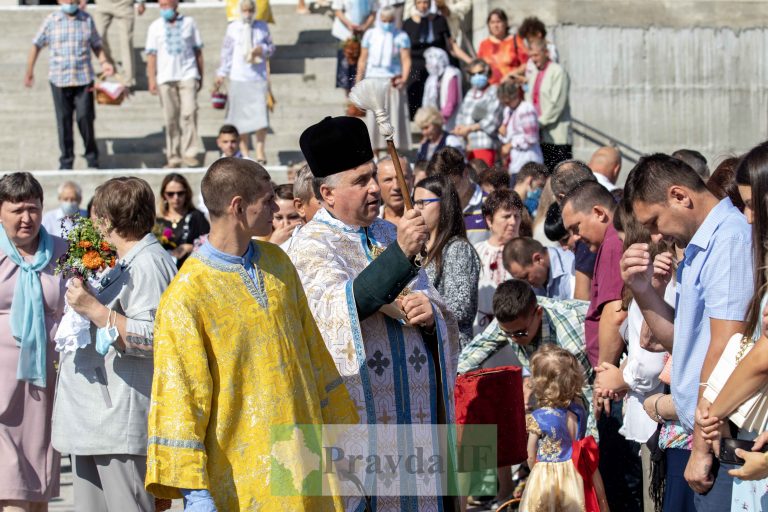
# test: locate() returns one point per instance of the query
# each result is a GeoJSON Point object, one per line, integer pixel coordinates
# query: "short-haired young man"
{"type": "Point", "coordinates": [529, 183]}
{"type": "Point", "coordinates": [714, 289]}
{"type": "Point", "coordinates": [530, 321]}
{"type": "Point", "coordinates": [549, 270]}
{"type": "Point", "coordinates": [588, 215]}
{"type": "Point", "coordinates": [237, 351]}
{"type": "Point", "coordinates": [228, 141]}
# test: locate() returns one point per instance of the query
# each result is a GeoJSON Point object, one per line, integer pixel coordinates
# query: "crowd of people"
{"type": "Point", "coordinates": [515, 108]}
{"type": "Point", "coordinates": [635, 313]}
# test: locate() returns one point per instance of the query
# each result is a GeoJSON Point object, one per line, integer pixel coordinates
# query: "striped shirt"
{"type": "Point", "coordinates": [70, 40]}
{"type": "Point", "coordinates": [562, 324]}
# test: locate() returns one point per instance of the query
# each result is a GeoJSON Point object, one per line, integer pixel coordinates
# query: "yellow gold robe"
{"type": "Point", "coordinates": [234, 360]}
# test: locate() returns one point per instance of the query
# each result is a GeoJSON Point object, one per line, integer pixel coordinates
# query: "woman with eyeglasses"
{"type": "Point", "coordinates": [178, 223]}
{"type": "Point", "coordinates": [452, 265]}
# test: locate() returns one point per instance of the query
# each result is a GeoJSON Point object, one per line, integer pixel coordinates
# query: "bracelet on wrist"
{"type": "Point", "coordinates": [659, 418]}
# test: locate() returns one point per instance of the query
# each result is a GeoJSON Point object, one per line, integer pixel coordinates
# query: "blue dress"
{"type": "Point", "coordinates": [554, 483]}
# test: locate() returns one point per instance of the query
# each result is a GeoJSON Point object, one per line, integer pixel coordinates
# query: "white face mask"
{"type": "Point", "coordinates": [247, 18]}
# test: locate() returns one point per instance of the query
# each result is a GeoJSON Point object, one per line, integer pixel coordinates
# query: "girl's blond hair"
{"type": "Point", "coordinates": [556, 376]}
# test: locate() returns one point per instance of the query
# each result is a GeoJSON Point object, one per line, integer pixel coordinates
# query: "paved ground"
{"type": "Point", "coordinates": [65, 502]}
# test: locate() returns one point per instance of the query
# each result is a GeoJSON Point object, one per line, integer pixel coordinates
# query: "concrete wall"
{"type": "Point", "coordinates": [658, 75]}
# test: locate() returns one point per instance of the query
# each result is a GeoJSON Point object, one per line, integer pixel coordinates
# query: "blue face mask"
{"type": "Point", "coordinates": [388, 26]}
{"type": "Point", "coordinates": [168, 14]}
{"type": "Point", "coordinates": [69, 8]}
{"type": "Point", "coordinates": [105, 337]}
{"type": "Point", "coordinates": [478, 81]}
{"type": "Point", "coordinates": [532, 200]}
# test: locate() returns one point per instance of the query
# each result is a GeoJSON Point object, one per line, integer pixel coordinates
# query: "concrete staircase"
{"type": "Point", "coordinates": [131, 136]}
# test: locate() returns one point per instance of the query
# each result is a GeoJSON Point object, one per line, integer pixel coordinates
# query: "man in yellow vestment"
{"type": "Point", "coordinates": [237, 353]}
{"type": "Point", "coordinates": [392, 338]}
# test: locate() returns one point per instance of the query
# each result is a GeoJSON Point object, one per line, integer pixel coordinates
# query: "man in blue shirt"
{"type": "Point", "coordinates": [714, 288]}
{"type": "Point", "coordinates": [550, 271]}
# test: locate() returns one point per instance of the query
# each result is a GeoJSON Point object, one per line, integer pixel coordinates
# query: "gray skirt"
{"type": "Point", "coordinates": [397, 106]}
{"type": "Point", "coordinates": [247, 106]}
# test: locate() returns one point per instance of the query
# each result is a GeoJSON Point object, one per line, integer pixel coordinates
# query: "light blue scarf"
{"type": "Point", "coordinates": [28, 309]}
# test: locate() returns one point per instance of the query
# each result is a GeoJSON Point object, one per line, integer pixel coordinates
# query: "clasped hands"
{"type": "Point", "coordinates": [609, 386]}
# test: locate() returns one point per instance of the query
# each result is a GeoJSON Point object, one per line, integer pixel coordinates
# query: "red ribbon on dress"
{"type": "Point", "coordinates": [586, 458]}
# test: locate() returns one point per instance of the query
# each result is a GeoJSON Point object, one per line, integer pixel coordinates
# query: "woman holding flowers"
{"type": "Point", "coordinates": [31, 305]}
{"type": "Point", "coordinates": [102, 396]}
{"type": "Point", "coordinates": [179, 223]}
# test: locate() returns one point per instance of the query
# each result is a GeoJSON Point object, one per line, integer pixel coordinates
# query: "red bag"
{"type": "Point", "coordinates": [494, 396]}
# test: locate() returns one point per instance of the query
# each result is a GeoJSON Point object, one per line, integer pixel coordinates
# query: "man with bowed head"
{"type": "Point", "coordinates": [714, 290]}
{"type": "Point", "coordinates": [393, 340]}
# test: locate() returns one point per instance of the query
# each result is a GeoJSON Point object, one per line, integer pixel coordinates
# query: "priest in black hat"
{"type": "Point", "coordinates": [394, 342]}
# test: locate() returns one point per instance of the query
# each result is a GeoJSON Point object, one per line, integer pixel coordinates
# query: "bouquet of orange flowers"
{"type": "Point", "coordinates": [88, 255]}
{"type": "Point", "coordinates": [88, 252]}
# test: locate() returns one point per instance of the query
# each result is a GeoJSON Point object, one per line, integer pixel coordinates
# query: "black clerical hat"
{"type": "Point", "coordinates": [336, 144]}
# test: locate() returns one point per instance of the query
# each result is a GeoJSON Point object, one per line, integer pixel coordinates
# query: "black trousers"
{"type": "Point", "coordinates": [75, 103]}
{"type": "Point", "coordinates": [555, 153]}
{"type": "Point", "coordinates": [620, 464]}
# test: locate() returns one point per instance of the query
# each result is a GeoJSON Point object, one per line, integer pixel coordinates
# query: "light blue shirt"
{"type": "Point", "coordinates": [246, 260]}
{"type": "Point", "coordinates": [562, 269]}
{"type": "Point", "coordinates": [714, 280]}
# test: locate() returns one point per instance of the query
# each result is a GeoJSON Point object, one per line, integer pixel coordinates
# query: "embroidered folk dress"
{"type": "Point", "coordinates": [238, 357]}
{"type": "Point", "coordinates": [386, 366]}
{"type": "Point", "coordinates": [554, 483]}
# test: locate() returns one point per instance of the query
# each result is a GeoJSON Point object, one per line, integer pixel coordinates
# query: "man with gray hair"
{"type": "Point", "coordinates": [304, 200]}
{"type": "Point", "coordinates": [57, 222]}
{"type": "Point", "coordinates": [393, 204]}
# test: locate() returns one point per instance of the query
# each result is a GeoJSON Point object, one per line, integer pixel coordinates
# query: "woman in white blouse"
{"type": "Point", "coordinates": [245, 53]}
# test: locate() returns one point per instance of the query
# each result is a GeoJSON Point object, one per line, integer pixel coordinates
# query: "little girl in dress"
{"type": "Point", "coordinates": [564, 475]}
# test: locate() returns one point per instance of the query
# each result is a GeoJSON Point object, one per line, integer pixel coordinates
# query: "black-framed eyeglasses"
{"type": "Point", "coordinates": [421, 203]}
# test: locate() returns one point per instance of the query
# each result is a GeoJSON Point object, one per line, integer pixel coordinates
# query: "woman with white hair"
{"type": "Point", "coordinates": [245, 52]}
{"type": "Point", "coordinates": [433, 135]}
{"type": "Point", "coordinates": [443, 86]}
{"type": "Point", "coordinates": [386, 55]}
